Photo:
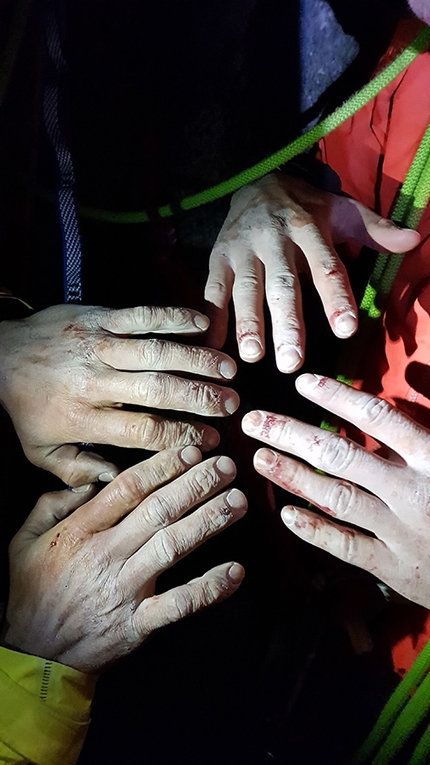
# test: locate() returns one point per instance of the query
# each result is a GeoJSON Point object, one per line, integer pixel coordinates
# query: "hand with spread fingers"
{"type": "Point", "coordinates": [276, 227]}
{"type": "Point", "coordinates": [388, 497]}
{"type": "Point", "coordinates": [83, 570]}
{"type": "Point", "coordinates": [69, 372]}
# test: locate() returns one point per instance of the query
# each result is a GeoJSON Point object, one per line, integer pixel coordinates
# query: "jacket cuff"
{"type": "Point", "coordinates": [44, 708]}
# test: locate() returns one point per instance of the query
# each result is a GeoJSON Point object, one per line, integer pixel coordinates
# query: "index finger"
{"type": "Point", "coordinates": [132, 486]}
{"type": "Point", "coordinates": [372, 415]}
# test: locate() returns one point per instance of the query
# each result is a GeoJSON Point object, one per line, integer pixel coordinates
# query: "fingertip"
{"type": "Point", "coordinates": [236, 573]}
{"type": "Point", "coordinates": [288, 515]}
{"type": "Point", "coordinates": [250, 348]}
{"type": "Point", "coordinates": [289, 358]}
{"type": "Point", "coordinates": [191, 455]}
{"type": "Point", "coordinates": [201, 321]}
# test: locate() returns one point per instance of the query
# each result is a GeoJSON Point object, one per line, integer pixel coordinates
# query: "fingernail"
{"type": "Point", "coordinates": [228, 368]}
{"type": "Point", "coordinates": [250, 348]}
{"type": "Point", "coordinates": [252, 421]}
{"type": "Point", "coordinates": [235, 573]}
{"type": "Point", "coordinates": [81, 489]}
{"type": "Point", "coordinates": [288, 515]}
{"type": "Point", "coordinates": [231, 403]}
{"type": "Point", "coordinates": [225, 465]}
{"type": "Point", "coordinates": [235, 499]}
{"type": "Point", "coordinates": [309, 382]}
{"type": "Point", "coordinates": [191, 455]}
{"type": "Point", "coordinates": [345, 324]}
{"type": "Point", "coordinates": [266, 458]}
{"type": "Point", "coordinates": [211, 439]}
{"type": "Point", "coordinates": [288, 358]}
{"type": "Point", "coordinates": [202, 322]}
{"type": "Point", "coordinates": [106, 477]}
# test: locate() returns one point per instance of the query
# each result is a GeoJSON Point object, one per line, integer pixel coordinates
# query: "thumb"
{"type": "Point", "coordinates": [385, 234]}
{"type": "Point", "coordinates": [50, 510]}
{"type": "Point", "coordinates": [75, 467]}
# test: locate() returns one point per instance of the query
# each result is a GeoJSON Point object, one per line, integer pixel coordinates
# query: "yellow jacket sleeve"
{"type": "Point", "coordinates": [44, 710]}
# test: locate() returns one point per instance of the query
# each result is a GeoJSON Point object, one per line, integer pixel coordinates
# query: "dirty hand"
{"type": "Point", "coordinates": [67, 372]}
{"type": "Point", "coordinates": [82, 583]}
{"type": "Point", "coordinates": [388, 497]}
{"type": "Point", "coordinates": [274, 227]}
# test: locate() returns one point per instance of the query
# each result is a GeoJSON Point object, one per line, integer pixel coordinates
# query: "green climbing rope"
{"type": "Point", "coordinates": [296, 147]}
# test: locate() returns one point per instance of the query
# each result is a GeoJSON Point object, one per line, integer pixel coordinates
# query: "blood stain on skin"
{"type": "Point", "coordinates": [269, 422]}
{"type": "Point", "coordinates": [316, 441]}
{"type": "Point", "coordinates": [322, 382]}
{"type": "Point", "coordinates": [54, 541]}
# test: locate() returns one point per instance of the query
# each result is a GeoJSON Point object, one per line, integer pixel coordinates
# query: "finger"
{"type": "Point", "coordinates": [165, 506]}
{"type": "Point", "coordinates": [326, 451]}
{"type": "Point", "coordinates": [285, 304]}
{"type": "Point", "coordinates": [171, 544]}
{"type": "Point", "coordinates": [171, 606]}
{"type": "Point", "coordinates": [379, 233]}
{"type": "Point", "coordinates": [132, 486]}
{"type": "Point", "coordinates": [346, 544]}
{"type": "Point", "coordinates": [371, 415]}
{"type": "Point", "coordinates": [341, 499]}
{"type": "Point", "coordinates": [156, 354]}
{"type": "Point", "coordinates": [50, 510]}
{"type": "Point", "coordinates": [329, 277]}
{"type": "Point", "coordinates": [73, 466]}
{"type": "Point", "coordinates": [158, 390]}
{"type": "Point", "coordinates": [142, 319]}
{"type": "Point", "coordinates": [248, 298]}
{"type": "Point", "coordinates": [139, 430]}
{"type": "Point", "coordinates": [217, 295]}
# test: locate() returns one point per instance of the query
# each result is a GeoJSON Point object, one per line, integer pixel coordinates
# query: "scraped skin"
{"type": "Point", "coordinates": [67, 374]}
{"type": "Point", "coordinates": [397, 509]}
{"type": "Point", "coordinates": [83, 571]}
{"type": "Point", "coordinates": [275, 228]}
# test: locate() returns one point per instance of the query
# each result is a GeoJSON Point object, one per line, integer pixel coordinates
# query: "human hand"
{"type": "Point", "coordinates": [82, 583]}
{"type": "Point", "coordinates": [397, 509]}
{"type": "Point", "coordinates": [67, 372]}
{"type": "Point", "coordinates": [275, 226]}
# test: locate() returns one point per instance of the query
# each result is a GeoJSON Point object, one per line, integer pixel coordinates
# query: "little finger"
{"type": "Point", "coordinates": [171, 606]}
{"type": "Point", "coordinates": [346, 544]}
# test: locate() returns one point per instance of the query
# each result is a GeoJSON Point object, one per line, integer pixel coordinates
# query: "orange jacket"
{"type": "Point", "coordinates": [372, 164]}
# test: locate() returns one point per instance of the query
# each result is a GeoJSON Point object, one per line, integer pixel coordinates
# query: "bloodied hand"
{"type": "Point", "coordinates": [83, 571]}
{"type": "Point", "coordinates": [388, 497]}
{"type": "Point", "coordinates": [276, 228]}
{"type": "Point", "coordinates": [69, 373]}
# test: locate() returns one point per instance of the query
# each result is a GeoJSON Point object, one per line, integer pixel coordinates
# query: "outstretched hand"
{"type": "Point", "coordinates": [68, 372]}
{"type": "Point", "coordinates": [83, 571]}
{"type": "Point", "coordinates": [275, 228]}
{"type": "Point", "coordinates": [388, 497]}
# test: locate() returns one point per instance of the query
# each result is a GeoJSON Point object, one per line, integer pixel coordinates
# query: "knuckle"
{"type": "Point", "coordinates": [158, 511]}
{"type": "Point", "coordinates": [249, 283]}
{"type": "Point", "coordinates": [180, 604]}
{"type": "Point", "coordinates": [347, 545]}
{"type": "Point", "coordinates": [342, 498]}
{"type": "Point", "coordinates": [377, 412]}
{"type": "Point", "coordinates": [154, 352]}
{"type": "Point", "coordinates": [280, 282]}
{"type": "Point", "coordinates": [202, 481]}
{"type": "Point", "coordinates": [128, 489]}
{"type": "Point", "coordinates": [166, 548]}
{"type": "Point", "coordinates": [337, 453]}
{"type": "Point", "coordinates": [154, 388]}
